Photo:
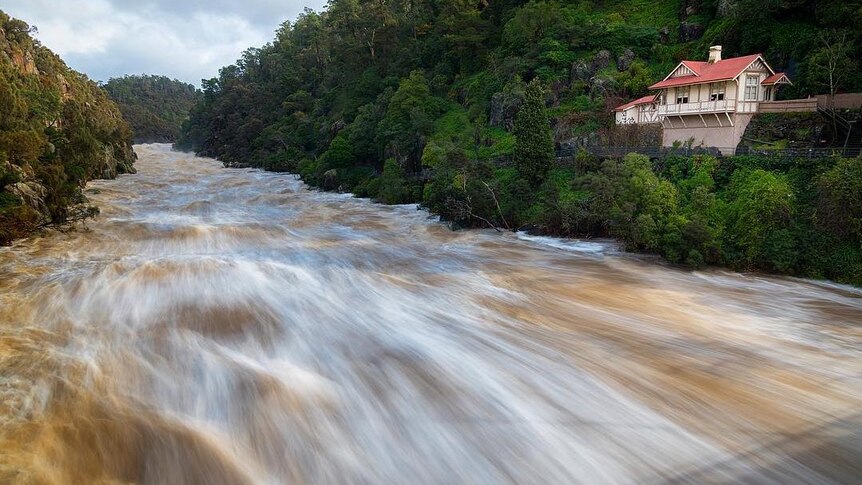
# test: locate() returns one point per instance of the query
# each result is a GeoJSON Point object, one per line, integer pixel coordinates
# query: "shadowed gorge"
{"type": "Point", "coordinates": [154, 106]}
{"type": "Point", "coordinates": [231, 326]}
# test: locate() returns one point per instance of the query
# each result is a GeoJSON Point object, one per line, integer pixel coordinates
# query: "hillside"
{"type": "Point", "coordinates": [459, 106]}
{"type": "Point", "coordinates": [58, 130]}
{"type": "Point", "coordinates": [154, 106]}
{"type": "Point", "coordinates": [460, 67]}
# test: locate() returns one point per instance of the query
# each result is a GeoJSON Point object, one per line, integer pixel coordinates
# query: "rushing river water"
{"type": "Point", "coordinates": [225, 326]}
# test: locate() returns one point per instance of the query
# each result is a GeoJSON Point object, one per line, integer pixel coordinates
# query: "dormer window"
{"type": "Point", "coordinates": [682, 95]}
{"type": "Point", "coordinates": [716, 92]}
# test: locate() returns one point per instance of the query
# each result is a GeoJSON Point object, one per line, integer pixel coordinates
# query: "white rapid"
{"type": "Point", "coordinates": [225, 326]}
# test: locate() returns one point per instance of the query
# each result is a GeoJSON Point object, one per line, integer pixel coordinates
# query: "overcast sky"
{"type": "Point", "coordinates": [184, 39]}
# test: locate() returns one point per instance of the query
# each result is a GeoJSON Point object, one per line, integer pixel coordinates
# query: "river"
{"type": "Point", "coordinates": [230, 326]}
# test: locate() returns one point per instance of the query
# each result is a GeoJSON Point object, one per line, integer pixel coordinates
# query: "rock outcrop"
{"type": "Point", "coordinates": [504, 107]}
{"type": "Point", "coordinates": [33, 195]}
{"type": "Point", "coordinates": [689, 31]}
{"type": "Point", "coordinates": [601, 60]}
{"type": "Point", "coordinates": [624, 61]}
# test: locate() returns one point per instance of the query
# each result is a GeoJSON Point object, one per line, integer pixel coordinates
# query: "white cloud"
{"type": "Point", "coordinates": [186, 39]}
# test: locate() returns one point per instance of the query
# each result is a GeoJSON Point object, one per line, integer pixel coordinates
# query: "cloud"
{"type": "Point", "coordinates": [184, 39]}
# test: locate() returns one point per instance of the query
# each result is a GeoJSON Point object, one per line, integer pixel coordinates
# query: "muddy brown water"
{"type": "Point", "coordinates": [225, 326]}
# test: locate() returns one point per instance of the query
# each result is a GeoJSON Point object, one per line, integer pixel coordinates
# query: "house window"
{"type": "Point", "coordinates": [716, 92]}
{"type": "Point", "coordinates": [682, 95]}
{"type": "Point", "coordinates": [751, 83]}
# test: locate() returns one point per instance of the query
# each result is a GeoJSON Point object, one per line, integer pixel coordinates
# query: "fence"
{"type": "Point", "coordinates": [841, 101]}
{"type": "Point", "coordinates": [656, 152]}
{"type": "Point", "coordinates": [789, 106]}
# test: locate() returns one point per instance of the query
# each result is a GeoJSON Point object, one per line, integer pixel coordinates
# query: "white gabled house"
{"type": "Point", "coordinates": [709, 103]}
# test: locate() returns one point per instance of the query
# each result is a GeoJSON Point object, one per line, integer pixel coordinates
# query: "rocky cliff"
{"type": "Point", "coordinates": [58, 130]}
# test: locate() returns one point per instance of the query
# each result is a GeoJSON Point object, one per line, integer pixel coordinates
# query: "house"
{"type": "Point", "coordinates": [709, 103]}
{"type": "Point", "coordinates": [641, 110]}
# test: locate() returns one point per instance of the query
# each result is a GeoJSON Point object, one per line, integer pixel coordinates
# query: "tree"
{"type": "Point", "coordinates": [759, 214]}
{"type": "Point", "coordinates": [534, 143]}
{"type": "Point", "coordinates": [339, 154]}
{"type": "Point", "coordinates": [635, 81]}
{"type": "Point", "coordinates": [392, 187]}
{"type": "Point", "coordinates": [409, 119]}
{"type": "Point", "coordinates": [839, 203]}
{"type": "Point", "coordinates": [832, 65]}
{"type": "Point", "coordinates": [22, 146]}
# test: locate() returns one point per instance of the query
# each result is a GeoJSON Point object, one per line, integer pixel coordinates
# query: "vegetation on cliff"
{"type": "Point", "coordinates": [463, 65]}
{"type": "Point", "coordinates": [421, 101]}
{"type": "Point", "coordinates": [154, 106]}
{"type": "Point", "coordinates": [58, 130]}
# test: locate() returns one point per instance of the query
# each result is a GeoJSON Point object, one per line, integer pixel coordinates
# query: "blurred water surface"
{"type": "Point", "coordinates": [226, 326]}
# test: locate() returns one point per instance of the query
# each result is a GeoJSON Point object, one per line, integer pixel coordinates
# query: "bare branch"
{"type": "Point", "coordinates": [497, 203]}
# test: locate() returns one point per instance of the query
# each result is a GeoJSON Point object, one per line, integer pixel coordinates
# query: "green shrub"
{"type": "Point", "coordinates": [839, 199]}
{"type": "Point", "coordinates": [393, 188]}
{"type": "Point", "coordinates": [758, 215]}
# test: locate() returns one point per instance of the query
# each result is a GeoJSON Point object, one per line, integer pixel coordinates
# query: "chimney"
{"type": "Point", "coordinates": [714, 54]}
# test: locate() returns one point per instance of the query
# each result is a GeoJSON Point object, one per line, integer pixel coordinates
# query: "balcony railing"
{"type": "Point", "coordinates": [723, 106]}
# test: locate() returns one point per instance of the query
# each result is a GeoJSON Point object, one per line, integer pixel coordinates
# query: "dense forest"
{"type": "Point", "coordinates": [426, 101]}
{"type": "Point", "coordinates": [58, 130]}
{"type": "Point", "coordinates": [154, 106]}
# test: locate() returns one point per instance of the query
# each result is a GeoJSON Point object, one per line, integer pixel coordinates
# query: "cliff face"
{"type": "Point", "coordinates": [58, 129]}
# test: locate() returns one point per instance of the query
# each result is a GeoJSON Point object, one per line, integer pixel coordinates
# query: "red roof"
{"type": "Point", "coordinates": [646, 99]}
{"type": "Point", "coordinates": [705, 72]}
{"type": "Point", "coordinates": [773, 79]}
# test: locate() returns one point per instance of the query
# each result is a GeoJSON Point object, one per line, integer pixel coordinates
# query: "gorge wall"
{"type": "Point", "coordinates": [58, 130]}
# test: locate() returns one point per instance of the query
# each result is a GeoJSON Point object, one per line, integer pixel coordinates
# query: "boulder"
{"type": "Point", "coordinates": [118, 159]}
{"type": "Point", "coordinates": [625, 60]}
{"type": "Point", "coordinates": [33, 194]}
{"type": "Point", "coordinates": [581, 71]}
{"type": "Point", "coordinates": [504, 108]}
{"type": "Point", "coordinates": [601, 60]}
{"type": "Point", "coordinates": [336, 128]}
{"type": "Point", "coordinates": [22, 172]}
{"type": "Point", "coordinates": [330, 179]}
